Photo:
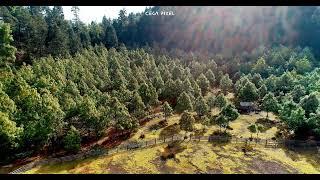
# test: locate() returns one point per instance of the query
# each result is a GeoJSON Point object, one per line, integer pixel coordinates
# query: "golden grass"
{"type": "Point", "coordinates": [198, 157]}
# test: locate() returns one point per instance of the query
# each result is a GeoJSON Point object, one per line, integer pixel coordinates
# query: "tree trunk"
{"type": "Point", "coordinates": [267, 114]}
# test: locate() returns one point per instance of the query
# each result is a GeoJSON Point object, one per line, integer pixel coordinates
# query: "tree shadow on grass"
{"type": "Point", "coordinates": [64, 166]}
{"type": "Point", "coordinates": [312, 156]}
{"type": "Point", "coordinates": [220, 138]}
{"type": "Point", "coordinates": [266, 123]}
{"type": "Point", "coordinates": [169, 131]}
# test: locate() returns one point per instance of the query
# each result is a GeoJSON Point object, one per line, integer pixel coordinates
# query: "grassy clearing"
{"type": "Point", "coordinates": [197, 157]}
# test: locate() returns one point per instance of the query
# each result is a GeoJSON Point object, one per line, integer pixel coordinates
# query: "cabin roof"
{"type": "Point", "coordinates": [246, 104]}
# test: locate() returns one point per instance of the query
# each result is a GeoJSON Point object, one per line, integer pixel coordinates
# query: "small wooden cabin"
{"type": "Point", "coordinates": [248, 107]}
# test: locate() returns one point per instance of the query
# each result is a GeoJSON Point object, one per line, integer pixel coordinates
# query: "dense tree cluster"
{"type": "Point", "coordinates": [64, 83]}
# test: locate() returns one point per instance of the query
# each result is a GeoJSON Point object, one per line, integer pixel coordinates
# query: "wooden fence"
{"type": "Point", "coordinates": [266, 143]}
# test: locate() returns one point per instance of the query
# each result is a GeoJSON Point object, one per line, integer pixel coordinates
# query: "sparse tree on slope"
{"type": "Point", "coordinates": [270, 103]}
{"type": "Point", "coordinates": [201, 107]}
{"type": "Point", "coordinates": [167, 110]}
{"type": "Point", "coordinates": [187, 121]}
{"type": "Point", "coordinates": [184, 103]}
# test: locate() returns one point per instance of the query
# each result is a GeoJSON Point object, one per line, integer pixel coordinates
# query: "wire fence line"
{"type": "Point", "coordinates": [266, 143]}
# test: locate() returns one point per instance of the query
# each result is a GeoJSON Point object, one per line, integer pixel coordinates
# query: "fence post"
{"type": "Point", "coordinates": [164, 139]}
{"type": "Point", "coordinates": [155, 140]}
{"type": "Point", "coordinates": [266, 142]}
{"type": "Point", "coordinates": [199, 138]}
{"type": "Point", "coordinates": [146, 143]}
{"type": "Point", "coordinates": [172, 138]}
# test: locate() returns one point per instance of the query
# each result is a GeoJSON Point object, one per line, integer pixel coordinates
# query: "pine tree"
{"type": "Point", "coordinates": [110, 38]}
{"type": "Point", "coordinates": [137, 106]}
{"type": "Point", "coordinates": [119, 113]}
{"type": "Point", "coordinates": [222, 122]}
{"type": "Point", "coordinates": [229, 112]}
{"type": "Point", "coordinates": [7, 52]}
{"type": "Point", "coordinates": [262, 91]}
{"type": "Point", "coordinates": [225, 83]}
{"type": "Point", "coordinates": [298, 92]}
{"type": "Point", "coordinates": [270, 103]}
{"type": "Point", "coordinates": [9, 135]}
{"type": "Point", "coordinates": [167, 110]}
{"type": "Point", "coordinates": [211, 102]}
{"type": "Point", "coordinates": [310, 103]}
{"type": "Point", "coordinates": [248, 92]}
{"type": "Point", "coordinates": [220, 101]}
{"type": "Point", "coordinates": [210, 76]}
{"type": "Point", "coordinates": [72, 141]}
{"type": "Point", "coordinates": [187, 121]}
{"type": "Point", "coordinates": [187, 87]}
{"type": "Point", "coordinates": [203, 83]}
{"type": "Point", "coordinates": [184, 103]}
{"type": "Point", "coordinates": [201, 107]}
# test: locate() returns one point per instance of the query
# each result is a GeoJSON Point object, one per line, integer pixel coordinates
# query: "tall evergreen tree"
{"type": "Point", "coordinates": [184, 103]}
{"type": "Point", "coordinates": [7, 51]}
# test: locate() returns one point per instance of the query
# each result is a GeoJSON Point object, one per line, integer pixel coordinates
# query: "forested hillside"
{"type": "Point", "coordinates": [64, 83]}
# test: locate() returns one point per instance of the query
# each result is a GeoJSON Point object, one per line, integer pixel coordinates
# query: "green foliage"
{"type": "Point", "coordinates": [85, 85]}
{"type": "Point", "coordinates": [119, 113]}
{"type": "Point", "coordinates": [270, 103]}
{"type": "Point", "coordinates": [72, 140]}
{"type": "Point", "coordinates": [248, 93]}
{"type": "Point", "coordinates": [184, 103]}
{"type": "Point", "coordinates": [203, 83]}
{"type": "Point", "coordinates": [225, 83]}
{"type": "Point", "coordinates": [262, 91]}
{"type": "Point", "coordinates": [7, 51]}
{"type": "Point", "coordinates": [211, 101]}
{"type": "Point", "coordinates": [310, 103]}
{"type": "Point", "coordinates": [261, 67]}
{"type": "Point", "coordinates": [196, 90]}
{"type": "Point", "coordinates": [110, 38]}
{"type": "Point", "coordinates": [210, 76]}
{"type": "Point", "coordinates": [187, 121]}
{"type": "Point", "coordinates": [252, 128]}
{"type": "Point", "coordinates": [255, 128]}
{"type": "Point", "coordinates": [257, 80]}
{"type": "Point", "coordinates": [201, 107]}
{"type": "Point", "coordinates": [297, 93]}
{"type": "Point", "coordinates": [169, 89]}
{"type": "Point", "coordinates": [220, 101]}
{"type": "Point", "coordinates": [187, 87]}
{"type": "Point", "coordinates": [285, 83]}
{"type": "Point", "coordinates": [303, 65]}
{"type": "Point", "coordinates": [222, 121]}
{"type": "Point", "coordinates": [167, 110]}
{"type": "Point", "coordinates": [9, 135]}
{"type": "Point", "coordinates": [7, 105]}
{"type": "Point", "coordinates": [137, 106]}
{"type": "Point", "coordinates": [230, 112]}
{"type": "Point", "coordinates": [205, 120]}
